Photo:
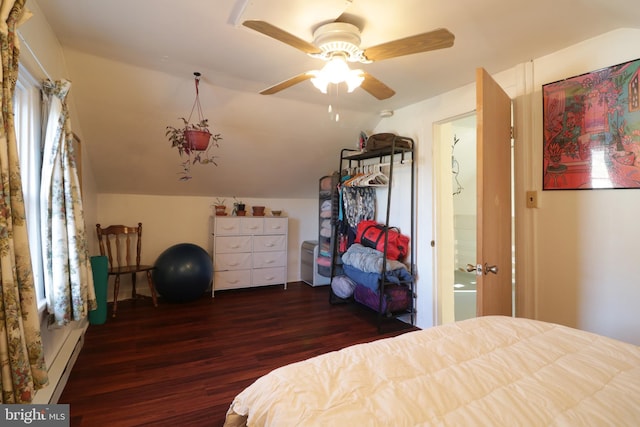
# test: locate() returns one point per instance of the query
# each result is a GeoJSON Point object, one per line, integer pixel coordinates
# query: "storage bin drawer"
{"type": "Point", "coordinates": [275, 225]}
{"type": "Point", "coordinates": [232, 261]}
{"type": "Point", "coordinates": [233, 244]}
{"type": "Point", "coordinates": [227, 226]}
{"type": "Point", "coordinates": [269, 259]}
{"type": "Point", "coordinates": [231, 279]}
{"type": "Point", "coordinates": [251, 225]}
{"type": "Point", "coordinates": [268, 276]}
{"type": "Point", "coordinates": [269, 243]}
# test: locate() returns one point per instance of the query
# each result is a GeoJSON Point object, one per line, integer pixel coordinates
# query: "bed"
{"type": "Point", "coordinates": [487, 371]}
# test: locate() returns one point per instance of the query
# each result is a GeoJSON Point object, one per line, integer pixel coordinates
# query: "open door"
{"type": "Point", "coordinates": [493, 250]}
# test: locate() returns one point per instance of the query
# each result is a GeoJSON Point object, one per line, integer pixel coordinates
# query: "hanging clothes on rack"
{"type": "Point", "coordinates": [357, 204]}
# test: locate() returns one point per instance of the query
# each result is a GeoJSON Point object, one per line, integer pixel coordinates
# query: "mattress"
{"type": "Point", "coordinates": [487, 371]}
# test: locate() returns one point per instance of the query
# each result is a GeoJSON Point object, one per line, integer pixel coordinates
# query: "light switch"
{"type": "Point", "coordinates": [532, 199]}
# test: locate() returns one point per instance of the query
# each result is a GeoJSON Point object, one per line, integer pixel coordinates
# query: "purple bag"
{"type": "Point", "coordinates": [396, 298]}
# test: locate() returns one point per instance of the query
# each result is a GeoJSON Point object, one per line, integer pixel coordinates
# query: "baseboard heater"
{"type": "Point", "coordinates": [60, 369]}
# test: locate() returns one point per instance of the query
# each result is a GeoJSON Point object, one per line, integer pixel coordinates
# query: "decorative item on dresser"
{"type": "Point", "coordinates": [238, 208]}
{"type": "Point", "coordinates": [248, 251]}
{"type": "Point", "coordinates": [220, 207]}
{"type": "Point", "coordinates": [258, 210]}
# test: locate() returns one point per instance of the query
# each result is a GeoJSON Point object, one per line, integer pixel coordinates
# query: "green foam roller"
{"type": "Point", "coordinates": [100, 266]}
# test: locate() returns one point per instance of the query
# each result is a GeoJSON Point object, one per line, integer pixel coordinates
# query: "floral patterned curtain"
{"type": "Point", "coordinates": [22, 367]}
{"type": "Point", "coordinates": [68, 275]}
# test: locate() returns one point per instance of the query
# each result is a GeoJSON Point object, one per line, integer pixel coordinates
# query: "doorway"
{"type": "Point", "coordinates": [463, 170]}
{"type": "Point", "coordinates": [455, 163]}
{"type": "Point", "coordinates": [455, 153]}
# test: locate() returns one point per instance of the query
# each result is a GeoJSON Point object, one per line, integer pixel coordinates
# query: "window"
{"type": "Point", "coordinates": [28, 116]}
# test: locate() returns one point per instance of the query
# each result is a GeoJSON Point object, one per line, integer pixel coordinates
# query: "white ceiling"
{"type": "Point", "coordinates": [131, 64]}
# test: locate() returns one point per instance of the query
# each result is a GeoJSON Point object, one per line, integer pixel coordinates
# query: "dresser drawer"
{"type": "Point", "coordinates": [275, 225]}
{"type": "Point", "coordinates": [269, 243]}
{"type": "Point", "coordinates": [233, 244]}
{"type": "Point", "coordinates": [227, 226]}
{"type": "Point", "coordinates": [232, 261]}
{"type": "Point", "coordinates": [231, 279]}
{"type": "Point", "coordinates": [251, 225]}
{"type": "Point", "coordinates": [269, 259]}
{"type": "Point", "coordinates": [268, 276]}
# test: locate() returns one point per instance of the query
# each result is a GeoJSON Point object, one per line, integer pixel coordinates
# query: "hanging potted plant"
{"type": "Point", "coordinates": [192, 136]}
{"type": "Point", "coordinates": [193, 139]}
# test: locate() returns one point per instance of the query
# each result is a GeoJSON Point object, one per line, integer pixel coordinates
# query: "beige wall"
{"type": "Point", "coordinates": [170, 220]}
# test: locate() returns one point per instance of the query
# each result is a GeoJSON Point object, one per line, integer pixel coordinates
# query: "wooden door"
{"type": "Point", "coordinates": [493, 250]}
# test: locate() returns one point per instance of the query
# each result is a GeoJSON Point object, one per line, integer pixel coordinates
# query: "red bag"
{"type": "Point", "coordinates": [371, 234]}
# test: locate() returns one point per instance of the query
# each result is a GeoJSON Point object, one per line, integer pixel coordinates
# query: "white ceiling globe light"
{"type": "Point", "coordinates": [337, 71]}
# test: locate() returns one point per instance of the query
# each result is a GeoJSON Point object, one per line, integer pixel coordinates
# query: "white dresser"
{"type": "Point", "coordinates": [248, 251]}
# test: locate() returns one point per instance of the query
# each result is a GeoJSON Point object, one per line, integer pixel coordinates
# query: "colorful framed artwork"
{"type": "Point", "coordinates": [591, 135]}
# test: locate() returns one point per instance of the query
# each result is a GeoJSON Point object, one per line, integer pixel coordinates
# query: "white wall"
{"type": "Point", "coordinates": [587, 241]}
{"type": "Point", "coordinates": [577, 255]}
{"type": "Point", "coordinates": [168, 220]}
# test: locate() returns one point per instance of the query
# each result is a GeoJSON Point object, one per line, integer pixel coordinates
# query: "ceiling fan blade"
{"type": "Point", "coordinates": [286, 84]}
{"type": "Point", "coordinates": [437, 39]}
{"type": "Point", "coordinates": [376, 88]}
{"type": "Point", "coordinates": [281, 35]}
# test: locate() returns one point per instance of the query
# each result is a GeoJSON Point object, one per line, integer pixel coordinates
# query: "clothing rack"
{"type": "Point", "coordinates": [399, 153]}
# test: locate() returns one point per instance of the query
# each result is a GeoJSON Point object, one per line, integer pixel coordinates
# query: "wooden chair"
{"type": "Point", "coordinates": [119, 240]}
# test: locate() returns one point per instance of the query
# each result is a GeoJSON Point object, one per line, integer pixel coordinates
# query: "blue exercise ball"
{"type": "Point", "coordinates": [183, 272]}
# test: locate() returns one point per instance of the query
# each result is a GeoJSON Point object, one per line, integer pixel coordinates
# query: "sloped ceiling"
{"type": "Point", "coordinates": [131, 65]}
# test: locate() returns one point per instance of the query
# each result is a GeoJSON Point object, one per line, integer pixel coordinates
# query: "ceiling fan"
{"type": "Point", "coordinates": [338, 42]}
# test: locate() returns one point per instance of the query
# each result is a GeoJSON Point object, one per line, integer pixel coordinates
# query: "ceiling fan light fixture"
{"type": "Point", "coordinates": [338, 37]}
{"type": "Point", "coordinates": [337, 71]}
{"type": "Point", "coordinates": [354, 80]}
{"type": "Point", "coordinates": [319, 82]}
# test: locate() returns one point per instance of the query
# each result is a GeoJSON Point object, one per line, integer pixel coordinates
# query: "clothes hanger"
{"type": "Point", "coordinates": [352, 182]}
{"type": "Point", "coordinates": [373, 177]}
{"type": "Point", "coordinates": [377, 178]}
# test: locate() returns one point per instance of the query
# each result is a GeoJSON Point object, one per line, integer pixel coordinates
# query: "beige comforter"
{"type": "Point", "coordinates": [489, 371]}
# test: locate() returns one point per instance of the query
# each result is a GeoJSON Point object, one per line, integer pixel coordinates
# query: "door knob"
{"type": "Point", "coordinates": [479, 268]}
{"type": "Point", "coordinates": [490, 269]}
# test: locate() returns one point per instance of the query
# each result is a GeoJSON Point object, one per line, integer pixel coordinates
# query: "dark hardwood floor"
{"type": "Point", "coordinates": [182, 364]}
